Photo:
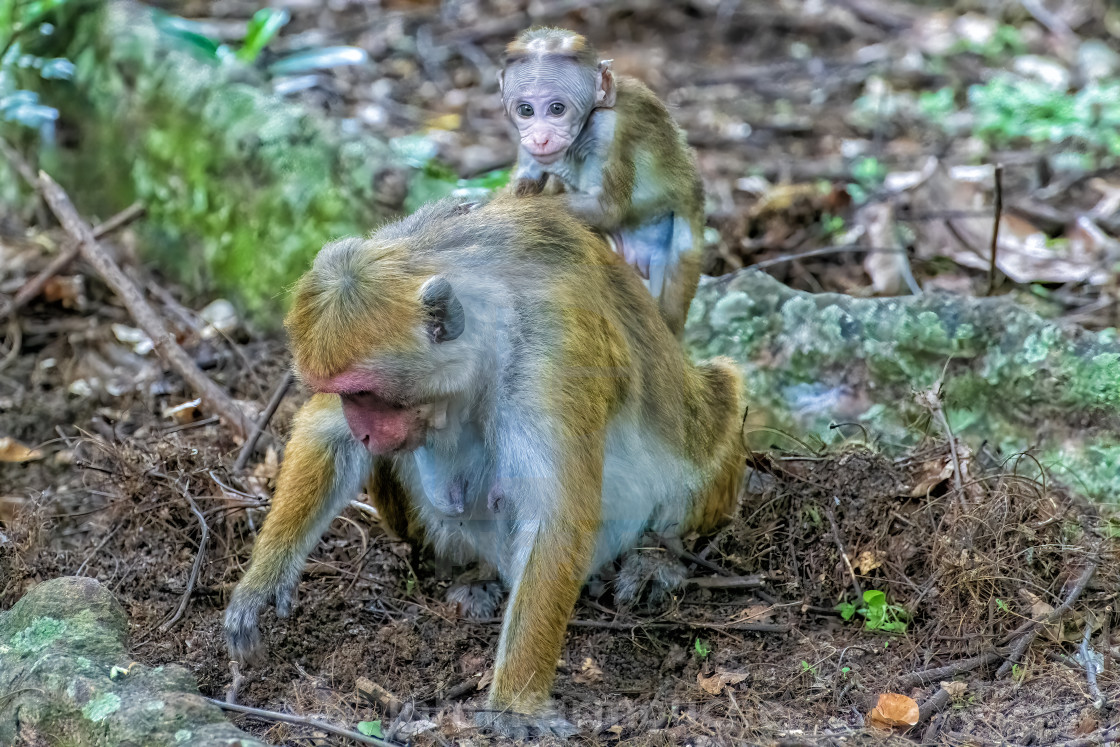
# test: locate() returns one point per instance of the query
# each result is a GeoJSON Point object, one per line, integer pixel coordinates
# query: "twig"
{"type": "Point", "coordinates": [258, 427]}
{"type": "Point", "coordinates": [1088, 660]}
{"type": "Point", "coordinates": [1025, 640]}
{"type": "Point", "coordinates": [162, 341]}
{"type": "Point", "coordinates": [933, 704]}
{"type": "Point", "coordinates": [932, 400]}
{"type": "Point", "coordinates": [235, 685]}
{"type": "Point", "coordinates": [728, 582]}
{"type": "Point", "coordinates": [926, 676]}
{"type": "Point", "coordinates": [195, 567]}
{"type": "Point", "coordinates": [844, 553]}
{"type": "Point", "coordinates": [289, 718]}
{"type": "Point", "coordinates": [33, 287]}
{"type": "Point", "coordinates": [657, 625]}
{"type": "Point", "coordinates": [1106, 639]}
{"type": "Point", "coordinates": [995, 230]}
{"type": "Point", "coordinates": [1103, 736]}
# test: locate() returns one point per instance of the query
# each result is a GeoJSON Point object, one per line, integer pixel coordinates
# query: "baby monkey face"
{"type": "Point", "coordinates": [548, 100]}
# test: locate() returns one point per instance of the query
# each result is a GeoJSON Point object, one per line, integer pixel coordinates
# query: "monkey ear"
{"type": "Point", "coordinates": [604, 84]}
{"type": "Point", "coordinates": [501, 81]}
{"type": "Point", "coordinates": [445, 314]}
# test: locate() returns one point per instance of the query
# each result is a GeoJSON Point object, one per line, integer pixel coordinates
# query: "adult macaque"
{"type": "Point", "coordinates": [612, 145]}
{"type": "Point", "coordinates": [513, 384]}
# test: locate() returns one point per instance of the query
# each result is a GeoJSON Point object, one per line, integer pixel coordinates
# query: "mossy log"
{"type": "Point", "coordinates": [1008, 376]}
{"type": "Point", "coordinates": [66, 678]}
{"type": "Point", "coordinates": [241, 187]}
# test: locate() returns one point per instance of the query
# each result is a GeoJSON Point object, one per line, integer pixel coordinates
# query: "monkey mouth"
{"type": "Point", "coordinates": [547, 155]}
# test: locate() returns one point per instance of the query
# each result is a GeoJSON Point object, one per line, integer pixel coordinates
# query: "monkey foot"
{"type": "Point", "coordinates": [659, 574]}
{"type": "Point", "coordinates": [477, 600]}
{"type": "Point", "coordinates": [521, 726]}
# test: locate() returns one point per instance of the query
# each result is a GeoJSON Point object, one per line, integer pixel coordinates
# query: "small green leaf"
{"type": "Point", "coordinates": [263, 26]}
{"type": "Point", "coordinates": [371, 728]}
{"type": "Point", "coordinates": [702, 648]}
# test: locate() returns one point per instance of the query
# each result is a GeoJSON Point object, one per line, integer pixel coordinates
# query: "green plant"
{"type": "Point", "coordinates": [21, 26]}
{"type": "Point", "coordinates": [435, 180]}
{"type": "Point", "coordinates": [371, 728]}
{"type": "Point", "coordinates": [877, 613]}
{"type": "Point", "coordinates": [1003, 606]}
{"type": "Point", "coordinates": [701, 647]}
{"type": "Point", "coordinates": [808, 668]}
{"type": "Point", "coordinates": [261, 29]}
{"type": "Point", "coordinates": [1005, 42]}
{"type": "Point", "coordinates": [1009, 108]}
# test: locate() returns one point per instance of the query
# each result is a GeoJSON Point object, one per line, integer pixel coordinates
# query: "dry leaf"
{"type": "Point", "coordinates": [955, 689]}
{"type": "Point", "coordinates": [867, 562]}
{"type": "Point", "coordinates": [270, 467]}
{"type": "Point", "coordinates": [12, 450]}
{"type": "Point", "coordinates": [1024, 253]}
{"type": "Point", "coordinates": [715, 684]}
{"type": "Point", "coordinates": [10, 505]}
{"type": "Point", "coordinates": [187, 412]}
{"type": "Point", "coordinates": [67, 289]}
{"type": "Point", "coordinates": [485, 680]}
{"type": "Point", "coordinates": [589, 672]}
{"type": "Point", "coordinates": [894, 709]}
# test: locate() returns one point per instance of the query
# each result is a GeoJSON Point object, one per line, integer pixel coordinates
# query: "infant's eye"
{"type": "Point", "coordinates": [556, 108]}
{"type": "Point", "coordinates": [524, 110]}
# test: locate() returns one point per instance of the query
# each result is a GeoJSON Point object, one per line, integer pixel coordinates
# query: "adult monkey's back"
{"type": "Point", "coordinates": [499, 347]}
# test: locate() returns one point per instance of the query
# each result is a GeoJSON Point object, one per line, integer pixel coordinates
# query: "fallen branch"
{"type": "Point", "coordinates": [258, 427]}
{"type": "Point", "coordinates": [1023, 643]}
{"type": "Point", "coordinates": [300, 720]}
{"type": "Point", "coordinates": [926, 676]}
{"type": "Point", "coordinates": [163, 342]}
{"type": "Point", "coordinates": [33, 287]}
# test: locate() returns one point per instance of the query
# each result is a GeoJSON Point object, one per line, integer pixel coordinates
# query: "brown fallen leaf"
{"type": "Point", "coordinates": [894, 709]}
{"type": "Point", "coordinates": [12, 450]}
{"type": "Point", "coordinates": [589, 673]}
{"type": "Point", "coordinates": [868, 561]}
{"type": "Point", "coordinates": [714, 685]}
{"type": "Point", "coordinates": [955, 689]}
{"type": "Point", "coordinates": [187, 412]}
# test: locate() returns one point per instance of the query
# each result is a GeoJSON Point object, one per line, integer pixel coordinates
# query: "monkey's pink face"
{"type": "Point", "coordinates": [547, 124]}
{"type": "Point", "coordinates": [382, 421]}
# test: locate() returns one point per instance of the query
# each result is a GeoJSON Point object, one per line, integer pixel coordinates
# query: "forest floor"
{"type": "Point", "coordinates": [759, 648]}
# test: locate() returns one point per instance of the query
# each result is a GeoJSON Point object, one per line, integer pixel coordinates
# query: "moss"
{"type": "Point", "coordinates": [241, 188]}
{"type": "Point", "coordinates": [101, 707]}
{"type": "Point", "coordinates": [42, 632]}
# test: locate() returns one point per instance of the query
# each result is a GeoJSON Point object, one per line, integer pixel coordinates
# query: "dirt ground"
{"type": "Point", "coordinates": [762, 657]}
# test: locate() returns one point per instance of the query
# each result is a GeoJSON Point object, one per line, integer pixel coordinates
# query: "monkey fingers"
{"type": "Point", "coordinates": [520, 726]}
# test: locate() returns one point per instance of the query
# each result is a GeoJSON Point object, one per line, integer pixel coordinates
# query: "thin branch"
{"type": "Point", "coordinates": [33, 287]}
{"type": "Point", "coordinates": [1024, 642]}
{"type": "Point", "coordinates": [992, 270]}
{"type": "Point", "coordinates": [728, 582]}
{"type": "Point", "coordinates": [195, 567]}
{"type": "Point", "coordinates": [844, 554]}
{"type": "Point", "coordinates": [258, 427]}
{"type": "Point", "coordinates": [163, 342]}
{"type": "Point", "coordinates": [1088, 660]}
{"type": "Point", "coordinates": [289, 718]}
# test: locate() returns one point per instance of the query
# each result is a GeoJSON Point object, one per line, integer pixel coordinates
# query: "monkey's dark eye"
{"type": "Point", "coordinates": [556, 108]}
{"type": "Point", "coordinates": [524, 110]}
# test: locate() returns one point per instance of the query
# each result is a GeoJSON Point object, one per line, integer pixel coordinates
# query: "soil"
{"type": "Point", "coordinates": [112, 497]}
{"type": "Point", "coordinates": [113, 500]}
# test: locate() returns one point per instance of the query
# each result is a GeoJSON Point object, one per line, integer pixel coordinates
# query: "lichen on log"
{"type": "Point", "coordinates": [66, 677]}
{"type": "Point", "coordinates": [1008, 376]}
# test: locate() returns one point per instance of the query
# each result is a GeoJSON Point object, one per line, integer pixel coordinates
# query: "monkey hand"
{"type": "Point", "coordinates": [242, 618]}
{"type": "Point", "coordinates": [526, 187]}
{"type": "Point", "coordinates": [520, 726]}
